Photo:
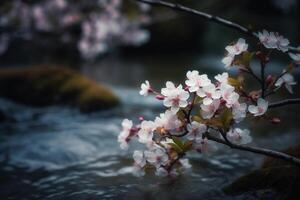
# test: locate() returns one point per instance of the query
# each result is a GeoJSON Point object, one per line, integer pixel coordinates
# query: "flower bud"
{"type": "Point", "coordinates": [241, 70]}
{"type": "Point", "coordinates": [141, 118]}
{"type": "Point", "coordinates": [269, 79]}
{"type": "Point", "coordinates": [159, 97]}
{"type": "Point", "coordinates": [275, 120]}
{"type": "Point", "coordinates": [150, 90]}
{"type": "Point", "coordinates": [262, 57]}
{"type": "Point", "coordinates": [223, 102]}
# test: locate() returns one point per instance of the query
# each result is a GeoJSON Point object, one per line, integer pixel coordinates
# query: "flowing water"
{"type": "Point", "coordinates": [60, 153]}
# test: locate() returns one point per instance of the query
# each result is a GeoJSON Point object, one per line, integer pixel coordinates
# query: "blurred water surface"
{"type": "Point", "coordinates": [59, 153]}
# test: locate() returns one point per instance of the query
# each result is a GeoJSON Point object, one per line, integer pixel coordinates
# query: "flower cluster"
{"type": "Point", "coordinates": [270, 40]}
{"type": "Point", "coordinates": [205, 110]}
{"type": "Point", "coordinates": [176, 131]}
{"type": "Point", "coordinates": [234, 50]}
{"type": "Point", "coordinates": [104, 24]}
{"type": "Point", "coordinates": [273, 40]}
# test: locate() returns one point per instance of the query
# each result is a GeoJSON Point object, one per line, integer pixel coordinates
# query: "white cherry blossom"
{"type": "Point", "coordinates": [195, 130]}
{"type": "Point", "coordinates": [157, 157]}
{"type": "Point", "coordinates": [267, 39]}
{"type": "Point", "coordinates": [161, 172]}
{"type": "Point", "coordinates": [175, 97]}
{"type": "Point", "coordinates": [239, 136]}
{"type": "Point", "coordinates": [273, 41]}
{"type": "Point", "coordinates": [287, 80]}
{"type": "Point", "coordinates": [295, 56]}
{"type": "Point", "coordinates": [168, 121]}
{"type": "Point", "coordinates": [139, 158]}
{"type": "Point", "coordinates": [228, 60]}
{"type": "Point", "coordinates": [228, 94]}
{"type": "Point", "coordinates": [209, 93]}
{"type": "Point", "coordinates": [207, 111]}
{"type": "Point", "coordinates": [139, 163]}
{"type": "Point", "coordinates": [260, 109]}
{"type": "Point", "coordinates": [195, 81]}
{"type": "Point", "coordinates": [239, 111]}
{"type": "Point", "coordinates": [123, 138]}
{"type": "Point", "coordinates": [237, 48]}
{"type": "Point", "coordinates": [222, 78]}
{"type": "Point", "coordinates": [145, 88]}
{"type": "Point", "coordinates": [145, 134]}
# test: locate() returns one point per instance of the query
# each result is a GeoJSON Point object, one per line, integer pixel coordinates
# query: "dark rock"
{"type": "Point", "coordinates": [278, 175]}
{"type": "Point", "coordinates": [43, 86]}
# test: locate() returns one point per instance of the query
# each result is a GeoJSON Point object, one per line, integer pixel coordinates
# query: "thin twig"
{"type": "Point", "coordinates": [285, 103]}
{"type": "Point", "coordinates": [267, 152]}
{"type": "Point", "coordinates": [216, 19]}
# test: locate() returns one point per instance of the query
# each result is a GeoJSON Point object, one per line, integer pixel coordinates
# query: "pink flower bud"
{"type": "Point", "coordinates": [269, 79]}
{"type": "Point", "coordinates": [141, 118]}
{"type": "Point", "coordinates": [159, 97]}
{"type": "Point", "coordinates": [133, 131]}
{"type": "Point", "coordinates": [275, 120]}
{"type": "Point", "coordinates": [150, 90]}
{"type": "Point", "coordinates": [242, 70]}
{"type": "Point", "coordinates": [223, 102]}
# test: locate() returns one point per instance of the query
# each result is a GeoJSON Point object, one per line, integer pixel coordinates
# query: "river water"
{"type": "Point", "coordinates": [59, 153]}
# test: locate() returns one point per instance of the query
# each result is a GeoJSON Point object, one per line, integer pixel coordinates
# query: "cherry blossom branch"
{"type": "Point", "coordinates": [209, 17]}
{"type": "Point", "coordinates": [267, 152]}
{"type": "Point", "coordinates": [284, 103]}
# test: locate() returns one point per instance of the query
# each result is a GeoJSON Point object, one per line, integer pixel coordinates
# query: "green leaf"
{"type": "Point", "coordinates": [175, 147]}
{"type": "Point", "coordinates": [178, 142]}
{"type": "Point", "coordinates": [198, 99]}
{"type": "Point", "coordinates": [246, 59]}
{"type": "Point", "coordinates": [198, 119]}
{"type": "Point", "coordinates": [187, 146]}
{"type": "Point", "coordinates": [226, 117]}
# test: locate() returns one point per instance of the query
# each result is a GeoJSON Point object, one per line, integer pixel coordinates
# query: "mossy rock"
{"type": "Point", "coordinates": [275, 174]}
{"type": "Point", "coordinates": [43, 86]}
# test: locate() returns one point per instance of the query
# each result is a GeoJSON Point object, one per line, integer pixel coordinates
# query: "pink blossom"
{"type": "Point", "coordinates": [239, 111]}
{"type": "Point", "coordinates": [209, 93]}
{"type": "Point", "coordinates": [168, 121]}
{"type": "Point", "coordinates": [228, 94]}
{"type": "Point", "coordinates": [222, 78]}
{"type": "Point", "coordinates": [157, 157]}
{"type": "Point", "coordinates": [260, 109]}
{"type": "Point", "coordinates": [273, 40]}
{"type": "Point", "coordinates": [207, 111]}
{"type": "Point", "coordinates": [175, 97]}
{"type": "Point", "coordinates": [145, 134]}
{"type": "Point", "coordinates": [238, 47]}
{"type": "Point", "coordinates": [232, 50]}
{"type": "Point", "coordinates": [145, 88]}
{"type": "Point", "coordinates": [124, 135]}
{"type": "Point", "coordinates": [239, 136]}
{"type": "Point", "coordinates": [195, 81]}
{"type": "Point", "coordinates": [195, 130]}
{"type": "Point", "coordinates": [287, 80]}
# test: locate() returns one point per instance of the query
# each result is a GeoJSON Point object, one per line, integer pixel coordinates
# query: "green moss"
{"type": "Point", "coordinates": [42, 86]}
